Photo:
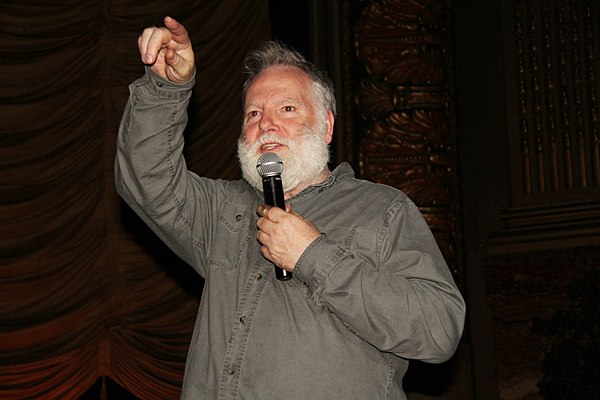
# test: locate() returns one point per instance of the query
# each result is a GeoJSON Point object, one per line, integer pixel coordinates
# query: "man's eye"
{"type": "Point", "coordinates": [288, 108]}
{"type": "Point", "coordinates": [253, 114]}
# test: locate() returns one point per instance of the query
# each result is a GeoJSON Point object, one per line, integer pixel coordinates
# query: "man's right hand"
{"type": "Point", "coordinates": [168, 50]}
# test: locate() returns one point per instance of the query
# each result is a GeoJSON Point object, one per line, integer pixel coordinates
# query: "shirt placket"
{"type": "Point", "coordinates": [234, 355]}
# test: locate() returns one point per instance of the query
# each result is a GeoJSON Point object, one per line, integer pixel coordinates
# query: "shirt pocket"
{"type": "Point", "coordinates": [231, 237]}
{"type": "Point", "coordinates": [342, 236]}
{"type": "Point", "coordinates": [360, 243]}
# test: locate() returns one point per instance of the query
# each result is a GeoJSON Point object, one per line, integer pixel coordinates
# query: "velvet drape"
{"type": "Point", "coordinates": [85, 289]}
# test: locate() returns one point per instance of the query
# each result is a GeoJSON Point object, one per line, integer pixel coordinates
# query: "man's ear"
{"type": "Point", "coordinates": [329, 131]}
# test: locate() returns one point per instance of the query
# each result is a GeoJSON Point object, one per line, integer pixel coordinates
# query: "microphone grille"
{"type": "Point", "coordinates": [269, 164]}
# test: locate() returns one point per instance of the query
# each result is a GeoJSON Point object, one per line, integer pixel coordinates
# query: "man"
{"type": "Point", "coordinates": [370, 289]}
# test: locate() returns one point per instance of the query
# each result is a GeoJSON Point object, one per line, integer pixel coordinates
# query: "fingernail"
{"type": "Point", "coordinates": [148, 58]}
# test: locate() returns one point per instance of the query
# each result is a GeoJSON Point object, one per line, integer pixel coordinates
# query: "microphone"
{"type": "Point", "coordinates": [270, 167]}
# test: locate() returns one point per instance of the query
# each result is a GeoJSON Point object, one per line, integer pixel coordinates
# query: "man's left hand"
{"type": "Point", "coordinates": [284, 235]}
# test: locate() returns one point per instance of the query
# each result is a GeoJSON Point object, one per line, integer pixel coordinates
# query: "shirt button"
{"type": "Point", "coordinates": [159, 84]}
{"type": "Point", "coordinates": [258, 276]}
{"type": "Point", "coordinates": [243, 320]}
{"type": "Point", "coordinates": [230, 371]}
{"type": "Point", "coordinates": [238, 218]}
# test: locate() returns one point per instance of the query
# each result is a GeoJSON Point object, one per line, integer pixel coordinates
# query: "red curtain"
{"type": "Point", "coordinates": [85, 289]}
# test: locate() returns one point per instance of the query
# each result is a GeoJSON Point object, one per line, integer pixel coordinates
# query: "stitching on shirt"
{"type": "Point", "coordinates": [331, 181]}
{"type": "Point", "coordinates": [310, 246]}
{"type": "Point", "coordinates": [239, 228]}
{"type": "Point", "coordinates": [232, 227]}
{"type": "Point", "coordinates": [392, 209]}
{"type": "Point", "coordinates": [243, 335]}
{"type": "Point", "coordinates": [215, 262]}
{"type": "Point", "coordinates": [315, 282]}
{"type": "Point", "coordinates": [187, 223]}
{"type": "Point", "coordinates": [391, 374]}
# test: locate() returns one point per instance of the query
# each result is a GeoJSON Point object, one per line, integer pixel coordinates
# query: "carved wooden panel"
{"type": "Point", "coordinates": [555, 57]}
{"type": "Point", "coordinates": [553, 102]}
{"type": "Point", "coordinates": [409, 141]}
{"type": "Point", "coordinates": [404, 102]}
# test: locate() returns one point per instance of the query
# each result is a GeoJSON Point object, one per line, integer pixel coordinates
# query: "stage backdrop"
{"type": "Point", "coordinates": [85, 290]}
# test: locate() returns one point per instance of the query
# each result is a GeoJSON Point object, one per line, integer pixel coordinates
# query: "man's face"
{"type": "Point", "coordinates": [280, 116]}
{"type": "Point", "coordinates": [279, 101]}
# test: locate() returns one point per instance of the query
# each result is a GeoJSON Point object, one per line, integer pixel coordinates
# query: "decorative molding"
{"type": "Point", "coordinates": [548, 227]}
{"type": "Point", "coordinates": [552, 64]}
{"type": "Point", "coordinates": [554, 60]}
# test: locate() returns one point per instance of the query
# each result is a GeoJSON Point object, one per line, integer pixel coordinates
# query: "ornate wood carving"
{"type": "Point", "coordinates": [403, 98]}
{"type": "Point", "coordinates": [409, 140]}
{"type": "Point", "coordinates": [556, 53]}
{"type": "Point", "coordinates": [553, 64]}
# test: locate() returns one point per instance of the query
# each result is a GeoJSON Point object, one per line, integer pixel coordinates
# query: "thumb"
{"type": "Point", "coordinates": [288, 209]}
{"type": "Point", "coordinates": [178, 69]}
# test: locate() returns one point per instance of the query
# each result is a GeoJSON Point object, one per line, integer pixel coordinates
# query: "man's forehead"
{"type": "Point", "coordinates": [280, 84]}
{"type": "Point", "coordinates": [281, 73]}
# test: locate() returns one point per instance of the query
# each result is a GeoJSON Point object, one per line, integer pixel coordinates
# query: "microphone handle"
{"type": "Point", "coordinates": [273, 191]}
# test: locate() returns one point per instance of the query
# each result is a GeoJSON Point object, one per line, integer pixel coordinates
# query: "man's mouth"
{"type": "Point", "coordinates": [269, 146]}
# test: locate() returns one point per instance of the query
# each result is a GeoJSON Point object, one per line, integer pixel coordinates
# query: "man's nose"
{"type": "Point", "coordinates": [268, 122]}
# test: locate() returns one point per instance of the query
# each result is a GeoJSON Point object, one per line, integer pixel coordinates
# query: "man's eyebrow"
{"type": "Point", "coordinates": [283, 100]}
{"type": "Point", "coordinates": [251, 104]}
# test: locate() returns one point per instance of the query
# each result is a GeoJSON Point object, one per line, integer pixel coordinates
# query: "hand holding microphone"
{"type": "Point", "coordinates": [284, 235]}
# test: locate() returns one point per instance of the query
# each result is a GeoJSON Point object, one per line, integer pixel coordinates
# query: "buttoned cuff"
{"type": "Point", "coordinates": [317, 261]}
{"type": "Point", "coordinates": [163, 88]}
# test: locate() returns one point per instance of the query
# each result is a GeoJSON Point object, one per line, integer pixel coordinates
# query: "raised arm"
{"type": "Point", "coordinates": [150, 171]}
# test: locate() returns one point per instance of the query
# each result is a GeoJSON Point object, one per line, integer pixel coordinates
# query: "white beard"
{"type": "Point", "coordinates": [307, 157]}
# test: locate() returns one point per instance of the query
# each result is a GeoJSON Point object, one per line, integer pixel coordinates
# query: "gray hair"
{"type": "Point", "coordinates": [274, 53]}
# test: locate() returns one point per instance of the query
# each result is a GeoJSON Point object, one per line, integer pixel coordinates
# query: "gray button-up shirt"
{"type": "Point", "coordinates": [370, 293]}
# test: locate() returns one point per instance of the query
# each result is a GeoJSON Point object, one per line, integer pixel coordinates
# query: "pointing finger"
{"type": "Point", "coordinates": [178, 31]}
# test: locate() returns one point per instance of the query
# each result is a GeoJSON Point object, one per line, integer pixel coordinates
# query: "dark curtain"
{"type": "Point", "coordinates": [85, 290]}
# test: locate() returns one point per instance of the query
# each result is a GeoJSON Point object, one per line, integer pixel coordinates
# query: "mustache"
{"type": "Point", "coordinates": [290, 143]}
{"type": "Point", "coordinates": [273, 138]}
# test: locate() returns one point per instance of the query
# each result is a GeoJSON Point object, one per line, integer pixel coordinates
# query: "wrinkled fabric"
{"type": "Point", "coordinates": [86, 291]}
{"type": "Point", "coordinates": [372, 292]}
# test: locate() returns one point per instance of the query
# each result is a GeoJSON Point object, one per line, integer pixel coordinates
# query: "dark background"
{"type": "Point", "coordinates": [92, 305]}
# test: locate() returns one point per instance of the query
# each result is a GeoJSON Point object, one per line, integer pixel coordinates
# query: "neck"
{"type": "Point", "coordinates": [316, 180]}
